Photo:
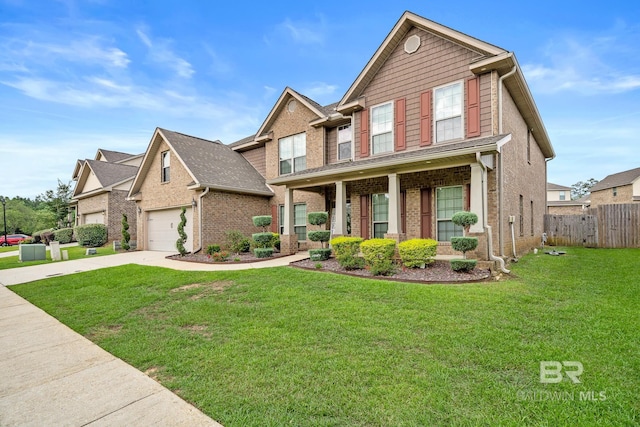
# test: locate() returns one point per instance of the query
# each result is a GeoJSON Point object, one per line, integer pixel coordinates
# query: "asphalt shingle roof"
{"type": "Point", "coordinates": [115, 156]}
{"type": "Point", "coordinates": [214, 164]}
{"type": "Point", "coordinates": [617, 180]}
{"type": "Point", "coordinates": [556, 187]}
{"type": "Point", "coordinates": [112, 173]}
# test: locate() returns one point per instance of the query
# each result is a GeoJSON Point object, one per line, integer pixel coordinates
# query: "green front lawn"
{"type": "Point", "coordinates": [289, 347]}
{"type": "Point", "coordinates": [75, 252]}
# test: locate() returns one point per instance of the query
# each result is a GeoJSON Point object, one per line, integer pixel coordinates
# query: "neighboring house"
{"type": "Point", "coordinates": [436, 122]}
{"type": "Point", "coordinates": [559, 201]}
{"type": "Point", "coordinates": [622, 187]}
{"type": "Point", "coordinates": [102, 186]}
{"type": "Point", "coordinates": [208, 179]}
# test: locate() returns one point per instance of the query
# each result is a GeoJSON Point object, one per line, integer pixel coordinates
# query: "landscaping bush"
{"type": "Point", "coordinates": [220, 256]}
{"type": "Point", "coordinates": [183, 236]}
{"type": "Point", "coordinates": [212, 249]}
{"type": "Point", "coordinates": [347, 250]}
{"type": "Point", "coordinates": [63, 235]}
{"type": "Point", "coordinates": [263, 240]}
{"type": "Point", "coordinates": [263, 252]}
{"type": "Point", "coordinates": [237, 242]}
{"type": "Point", "coordinates": [378, 255]}
{"type": "Point", "coordinates": [464, 219]}
{"type": "Point", "coordinates": [417, 252]}
{"type": "Point", "coordinates": [94, 235]}
{"type": "Point", "coordinates": [319, 236]}
{"type": "Point", "coordinates": [125, 233]}
{"type": "Point", "coordinates": [318, 218]}
{"type": "Point", "coordinates": [463, 265]}
{"type": "Point", "coordinates": [275, 241]}
{"type": "Point", "coordinates": [464, 244]}
{"type": "Point", "coordinates": [262, 221]}
{"type": "Point", "coordinates": [321, 254]}
{"type": "Point", "coordinates": [37, 234]}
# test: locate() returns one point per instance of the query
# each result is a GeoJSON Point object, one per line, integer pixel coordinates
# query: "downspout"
{"type": "Point", "coordinates": [200, 197]}
{"type": "Point", "coordinates": [500, 168]}
{"type": "Point", "coordinates": [486, 225]}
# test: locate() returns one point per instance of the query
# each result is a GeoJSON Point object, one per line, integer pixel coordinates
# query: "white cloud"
{"type": "Point", "coordinates": [160, 52]}
{"type": "Point", "coordinates": [303, 32]}
{"type": "Point", "coordinates": [320, 90]}
{"type": "Point", "coordinates": [587, 64]}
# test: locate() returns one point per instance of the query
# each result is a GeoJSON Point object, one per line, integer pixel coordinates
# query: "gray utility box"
{"type": "Point", "coordinates": [34, 252]}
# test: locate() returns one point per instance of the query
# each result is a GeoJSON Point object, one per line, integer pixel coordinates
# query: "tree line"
{"type": "Point", "coordinates": [48, 210]}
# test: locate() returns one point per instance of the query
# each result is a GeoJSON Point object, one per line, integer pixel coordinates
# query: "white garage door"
{"type": "Point", "coordinates": [94, 218]}
{"type": "Point", "coordinates": [162, 230]}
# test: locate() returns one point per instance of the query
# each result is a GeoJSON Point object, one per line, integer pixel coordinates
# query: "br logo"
{"type": "Point", "coordinates": [551, 371]}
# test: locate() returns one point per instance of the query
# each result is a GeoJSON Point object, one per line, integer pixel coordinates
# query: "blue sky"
{"type": "Point", "coordinates": [76, 75]}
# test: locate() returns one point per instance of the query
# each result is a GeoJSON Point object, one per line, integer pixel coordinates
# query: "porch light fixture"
{"type": "Point", "coordinates": [193, 202]}
{"type": "Point", "coordinates": [139, 210]}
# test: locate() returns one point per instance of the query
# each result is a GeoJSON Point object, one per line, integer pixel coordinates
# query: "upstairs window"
{"type": "Point", "coordinates": [344, 142]}
{"type": "Point", "coordinates": [448, 112]}
{"type": "Point", "coordinates": [165, 161]}
{"type": "Point", "coordinates": [382, 128]}
{"type": "Point", "coordinates": [293, 153]}
{"type": "Point", "coordinates": [563, 195]}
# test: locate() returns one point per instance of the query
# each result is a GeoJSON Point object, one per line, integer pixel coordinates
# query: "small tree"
{"type": "Point", "coordinates": [125, 234]}
{"type": "Point", "coordinates": [463, 244]}
{"type": "Point", "coordinates": [322, 236]}
{"type": "Point", "coordinates": [183, 236]}
{"type": "Point", "coordinates": [264, 240]}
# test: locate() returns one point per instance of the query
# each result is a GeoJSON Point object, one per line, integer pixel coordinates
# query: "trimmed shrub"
{"type": "Point", "coordinates": [125, 233]}
{"type": "Point", "coordinates": [183, 236]}
{"type": "Point", "coordinates": [464, 244]}
{"type": "Point", "coordinates": [319, 236]}
{"type": "Point", "coordinates": [417, 252]}
{"type": "Point", "coordinates": [220, 256]}
{"type": "Point", "coordinates": [263, 240]}
{"type": "Point", "coordinates": [262, 221]}
{"type": "Point", "coordinates": [318, 218]}
{"type": "Point", "coordinates": [212, 249]}
{"type": "Point", "coordinates": [275, 241]}
{"type": "Point", "coordinates": [464, 219]}
{"type": "Point", "coordinates": [237, 242]}
{"type": "Point", "coordinates": [263, 252]}
{"type": "Point", "coordinates": [463, 265]}
{"type": "Point", "coordinates": [94, 235]}
{"type": "Point", "coordinates": [64, 235]}
{"type": "Point", "coordinates": [347, 250]}
{"type": "Point", "coordinates": [322, 254]}
{"type": "Point", "coordinates": [37, 235]}
{"type": "Point", "coordinates": [378, 255]}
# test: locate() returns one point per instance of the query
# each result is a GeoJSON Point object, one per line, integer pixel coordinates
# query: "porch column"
{"type": "Point", "coordinates": [394, 229]}
{"type": "Point", "coordinates": [340, 227]}
{"type": "Point", "coordinates": [289, 239]}
{"type": "Point", "coordinates": [478, 197]}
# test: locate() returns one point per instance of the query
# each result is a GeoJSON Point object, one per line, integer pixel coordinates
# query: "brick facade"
{"type": "Point", "coordinates": [623, 194]}
{"type": "Point", "coordinates": [113, 203]}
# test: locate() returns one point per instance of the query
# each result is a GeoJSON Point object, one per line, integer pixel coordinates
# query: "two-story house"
{"type": "Point", "coordinates": [559, 201]}
{"type": "Point", "coordinates": [621, 187]}
{"type": "Point", "coordinates": [436, 122]}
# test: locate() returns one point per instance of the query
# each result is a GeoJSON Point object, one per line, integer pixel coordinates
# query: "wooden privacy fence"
{"type": "Point", "coordinates": [604, 226]}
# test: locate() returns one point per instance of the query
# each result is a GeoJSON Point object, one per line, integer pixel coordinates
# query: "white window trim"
{"type": "Point", "coordinates": [163, 166]}
{"type": "Point", "coordinates": [371, 135]}
{"type": "Point", "coordinates": [292, 158]}
{"type": "Point", "coordinates": [462, 108]}
{"type": "Point", "coordinates": [338, 143]}
{"type": "Point", "coordinates": [436, 208]}
{"type": "Point", "coordinates": [281, 219]}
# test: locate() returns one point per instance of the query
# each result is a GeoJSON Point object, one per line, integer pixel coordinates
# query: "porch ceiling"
{"type": "Point", "coordinates": [439, 157]}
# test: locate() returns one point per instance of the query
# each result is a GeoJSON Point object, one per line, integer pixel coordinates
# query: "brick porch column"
{"type": "Point", "coordinates": [289, 239]}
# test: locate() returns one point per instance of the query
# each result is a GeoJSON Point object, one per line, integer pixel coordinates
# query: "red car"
{"type": "Point", "coordinates": [13, 239]}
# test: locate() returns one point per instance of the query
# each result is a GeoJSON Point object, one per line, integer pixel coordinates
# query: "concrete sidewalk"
{"type": "Point", "coordinates": [52, 376]}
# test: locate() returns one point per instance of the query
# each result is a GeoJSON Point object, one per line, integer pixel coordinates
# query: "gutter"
{"type": "Point", "coordinates": [500, 163]}
{"type": "Point", "coordinates": [200, 197]}
{"type": "Point", "coordinates": [486, 225]}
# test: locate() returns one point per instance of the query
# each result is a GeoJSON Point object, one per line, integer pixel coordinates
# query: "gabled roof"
{"type": "Point", "coordinates": [113, 156]}
{"type": "Point", "coordinates": [490, 58]}
{"type": "Point", "coordinates": [617, 180]}
{"type": "Point", "coordinates": [557, 187]}
{"type": "Point", "coordinates": [209, 163]}
{"type": "Point", "coordinates": [280, 104]}
{"type": "Point", "coordinates": [77, 169]}
{"type": "Point", "coordinates": [108, 174]}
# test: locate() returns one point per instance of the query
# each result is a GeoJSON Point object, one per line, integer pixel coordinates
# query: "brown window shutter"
{"type": "Point", "coordinates": [364, 216]}
{"type": "Point", "coordinates": [364, 133]}
{"type": "Point", "coordinates": [473, 107]}
{"type": "Point", "coordinates": [274, 218]}
{"type": "Point", "coordinates": [400, 134]}
{"type": "Point", "coordinates": [425, 213]}
{"type": "Point", "coordinates": [425, 118]}
{"type": "Point", "coordinates": [467, 201]}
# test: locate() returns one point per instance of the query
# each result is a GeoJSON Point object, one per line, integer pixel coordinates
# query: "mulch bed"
{"type": "Point", "coordinates": [437, 272]}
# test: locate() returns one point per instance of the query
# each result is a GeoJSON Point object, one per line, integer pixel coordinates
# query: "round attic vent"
{"type": "Point", "coordinates": [291, 106]}
{"type": "Point", "coordinates": [412, 44]}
